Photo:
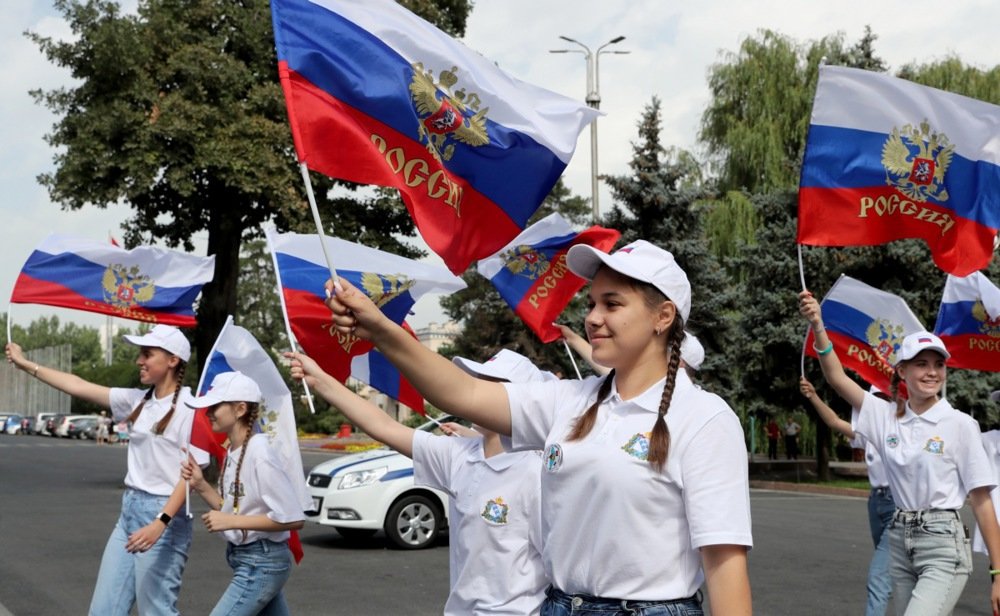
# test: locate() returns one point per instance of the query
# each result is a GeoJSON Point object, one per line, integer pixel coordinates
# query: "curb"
{"type": "Point", "coordinates": [807, 488]}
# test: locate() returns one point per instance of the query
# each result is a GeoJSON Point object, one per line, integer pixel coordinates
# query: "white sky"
{"type": "Point", "coordinates": [672, 46]}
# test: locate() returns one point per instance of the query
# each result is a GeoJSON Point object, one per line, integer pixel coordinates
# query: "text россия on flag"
{"type": "Point", "coordinates": [888, 159]}
{"type": "Point", "coordinates": [377, 95]}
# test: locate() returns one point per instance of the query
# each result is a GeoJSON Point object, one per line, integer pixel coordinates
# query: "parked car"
{"type": "Point", "coordinates": [3, 422]}
{"type": "Point", "coordinates": [62, 428]}
{"type": "Point", "coordinates": [75, 428]}
{"type": "Point", "coordinates": [360, 494]}
{"type": "Point", "coordinates": [41, 421]}
{"type": "Point", "coordinates": [12, 424]}
{"type": "Point", "coordinates": [52, 422]}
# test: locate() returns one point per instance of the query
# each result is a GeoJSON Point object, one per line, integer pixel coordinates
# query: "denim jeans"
{"type": "Point", "coordinates": [558, 603]}
{"type": "Point", "coordinates": [151, 579]}
{"type": "Point", "coordinates": [880, 510]}
{"type": "Point", "coordinates": [931, 561]}
{"type": "Point", "coordinates": [260, 570]}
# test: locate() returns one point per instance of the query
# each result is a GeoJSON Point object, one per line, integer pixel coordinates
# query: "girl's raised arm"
{"type": "Point", "coordinates": [833, 370]}
{"type": "Point", "coordinates": [63, 381]}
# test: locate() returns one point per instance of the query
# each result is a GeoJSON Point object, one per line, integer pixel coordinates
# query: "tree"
{"type": "Point", "coordinates": [491, 325]}
{"type": "Point", "coordinates": [658, 201]}
{"type": "Point", "coordinates": [177, 112]}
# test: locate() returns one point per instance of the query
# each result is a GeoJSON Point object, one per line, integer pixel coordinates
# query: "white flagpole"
{"type": "Point", "coordinates": [284, 312]}
{"type": "Point", "coordinates": [802, 270]}
{"type": "Point", "coordinates": [316, 219]}
{"type": "Point", "coordinates": [10, 308]}
{"type": "Point", "coordinates": [571, 359]}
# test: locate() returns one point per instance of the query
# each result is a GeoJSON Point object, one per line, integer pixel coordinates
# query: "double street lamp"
{"type": "Point", "coordinates": [593, 59]}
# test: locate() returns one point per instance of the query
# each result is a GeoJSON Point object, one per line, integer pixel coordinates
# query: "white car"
{"type": "Point", "coordinates": [361, 493]}
{"type": "Point", "coordinates": [63, 428]}
{"type": "Point", "coordinates": [40, 420]}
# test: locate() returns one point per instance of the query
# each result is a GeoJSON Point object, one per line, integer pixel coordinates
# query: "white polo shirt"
{"type": "Point", "coordinates": [991, 442]}
{"type": "Point", "coordinates": [876, 467]}
{"type": "Point", "coordinates": [611, 525]}
{"type": "Point", "coordinates": [266, 489]}
{"type": "Point", "coordinates": [495, 555]}
{"type": "Point", "coordinates": [154, 461]}
{"type": "Point", "coordinates": [932, 460]}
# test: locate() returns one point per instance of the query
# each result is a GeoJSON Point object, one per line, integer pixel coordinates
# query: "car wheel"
{"type": "Point", "coordinates": [413, 522]}
{"type": "Point", "coordinates": [355, 534]}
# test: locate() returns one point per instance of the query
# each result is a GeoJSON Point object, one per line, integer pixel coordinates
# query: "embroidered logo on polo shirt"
{"type": "Point", "coordinates": [935, 445]}
{"type": "Point", "coordinates": [553, 457]}
{"type": "Point", "coordinates": [495, 511]}
{"type": "Point", "coordinates": [638, 445]}
{"type": "Point", "coordinates": [892, 441]}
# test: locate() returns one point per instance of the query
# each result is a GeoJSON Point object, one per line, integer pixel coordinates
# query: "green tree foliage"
{"type": "Point", "coordinates": [491, 325]}
{"type": "Point", "coordinates": [953, 75]}
{"type": "Point", "coordinates": [658, 202]}
{"type": "Point", "coordinates": [177, 111]}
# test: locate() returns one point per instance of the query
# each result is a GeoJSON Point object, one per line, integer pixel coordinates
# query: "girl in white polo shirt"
{"type": "Point", "coordinates": [934, 458]}
{"type": "Point", "coordinates": [147, 550]}
{"type": "Point", "coordinates": [255, 507]}
{"type": "Point", "coordinates": [644, 483]}
{"type": "Point", "coordinates": [494, 555]}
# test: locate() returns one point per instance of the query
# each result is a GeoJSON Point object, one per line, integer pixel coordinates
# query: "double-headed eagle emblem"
{"type": "Point", "coordinates": [885, 339]}
{"type": "Point", "coordinates": [382, 290]}
{"type": "Point", "coordinates": [126, 287]}
{"type": "Point", "coordinates": [987, 326]}
{"type": "Point", "coordinates": [915, 160]}
{"type": "Point", "coordinates": [455, 114]}
{"type": "Point", "coordinates": [525, 261]}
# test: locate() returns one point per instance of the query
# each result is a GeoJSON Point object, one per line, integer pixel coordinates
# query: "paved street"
{"type": "Point", "coordinates": [59, 500]}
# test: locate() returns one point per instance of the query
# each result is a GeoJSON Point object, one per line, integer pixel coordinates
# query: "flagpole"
{"type": "Point", "coordinates": [316, 219]}
{"type": "Point", "coordinates": [802, 270]}
{"type": "Point", "coordinates": [571, 359]}
{"type": "Point", "coordinates": [284, 309]}
{"type": "Point", "coordinates": [10, 308]}
{"type": "Point", "coordinates": [805, 339]}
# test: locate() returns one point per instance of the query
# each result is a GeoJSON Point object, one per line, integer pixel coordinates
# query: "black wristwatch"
{"type": "Point", "coordinates": [163, 517]}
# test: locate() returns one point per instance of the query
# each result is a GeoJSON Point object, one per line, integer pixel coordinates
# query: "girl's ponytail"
{"type": "Point", "coordinates": [659, 440]}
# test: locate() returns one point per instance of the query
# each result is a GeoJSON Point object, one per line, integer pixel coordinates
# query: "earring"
{"type": "Point", "coordinates": [657, 330]}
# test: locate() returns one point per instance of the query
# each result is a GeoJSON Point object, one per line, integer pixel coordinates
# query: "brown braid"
{"type": "Point", "coordinates": [138, 409]}
{"type": "Point", "coordinates": [894, 393]}
{"type": "Point", "coordinates": [250, 418]}
{"type": "Point", "coordinates": [659, 440]}
{"type": "Point", "coordinates": [585, 423]}
{"type": "Point", "coordinates": [162, 424]}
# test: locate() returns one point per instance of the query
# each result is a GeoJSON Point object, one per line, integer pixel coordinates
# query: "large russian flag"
{"type": "Point", "coordinates": [373, 368]}
{"type": "Point", "coordinates": [969, 322]}
{"type": "Point", "coordinates": [866, 326]}
{"type": "Point", "coordinates": [888, 159]}
{"type": "Point", "coordinates": [394, 283]}
{"type": "Point", "coordinates": [530, 273]}
{"type": "Point", "coordinates": [147, 283]}
{"type": "Point", "coordinates": [377, 95]}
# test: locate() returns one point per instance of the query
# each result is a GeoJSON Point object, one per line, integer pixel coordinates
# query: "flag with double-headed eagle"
{"type": "Point", "coordinates": [969, 322]}
{"type": "Point", "coordinates": [888, 159]}
{"type": "Point", "coordinates": [531, 275]}
{"type": "Point", "coordinates": [394, 283]}
{"type": "Point", "coordinates": [147, 283]}
{"type": "Point", "coordinates": [377, 95]}
{"type": "Point", "coordinates": [866, 326]}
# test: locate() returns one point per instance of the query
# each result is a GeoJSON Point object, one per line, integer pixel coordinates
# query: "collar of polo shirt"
{"type": "Point", "coordinates": [649, 400]}
{"type": "Point", "coordinates": [932, 415]}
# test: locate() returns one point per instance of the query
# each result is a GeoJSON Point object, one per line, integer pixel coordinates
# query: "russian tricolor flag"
{"type": "Point", "coordinates": [531, 275]}
{"type": "Point", "coordinates": [377, 95]}
{"type": "Point", "coordinates": [394, 283]}
{"type": "Point", "coordinates": [969, 322]}
{"type": "Point", "coordinates": [147, 283]}
{"type": "Point", "coordinates": [866, 326]}
{"type": "Point", "coordinates": [373, 368]}
{"type": "Point", "coordinates": [888, 159]}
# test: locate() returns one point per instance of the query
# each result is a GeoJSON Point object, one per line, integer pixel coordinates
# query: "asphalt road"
{"type": "Point", "coordinates": [59, 500]}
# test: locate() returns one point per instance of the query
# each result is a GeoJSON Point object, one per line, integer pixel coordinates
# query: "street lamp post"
{"type": "Point", "coordinates": [594, 100]}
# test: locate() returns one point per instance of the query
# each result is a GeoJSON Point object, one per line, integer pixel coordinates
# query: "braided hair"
{"type": "Point", "coordinates": [659, 442]}
{"type": "Point", "coordinates": [894, 394]}
{"type": "Point", "coordinates": [250, 418]}
{"type": "Point", "coordinates": [161, 425]}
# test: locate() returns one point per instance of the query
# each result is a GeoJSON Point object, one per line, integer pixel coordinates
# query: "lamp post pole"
{"type": "Point", "coordinates": [593, 99]}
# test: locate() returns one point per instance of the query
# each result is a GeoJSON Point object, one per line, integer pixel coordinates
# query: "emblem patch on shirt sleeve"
{"type": "Point", "coordinates": [934, 445]}
{"type": "Point", "coordinates": [638, 446]}
{"type": "Point", "coordinates": [553, 457]}
{"type": "Point", "coordinates": [495, 511]}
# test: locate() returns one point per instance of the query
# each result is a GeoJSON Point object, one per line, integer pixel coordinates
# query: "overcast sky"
{"type": "Point", "coordinates": [671, 45]}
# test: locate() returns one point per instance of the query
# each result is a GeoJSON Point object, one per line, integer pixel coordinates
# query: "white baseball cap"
{"type": "Point", "coordinates": [692, 353]}
{"type": "Point", "coordinates": [639, 260]}
{"type": "Point", "coordinates": [166, 337]}
{"type": "Point", "coordinates": [995, 396]}
{"type": "Point", "coordinates": [228, 387]}
{"type": "Point", "coordinates": [916, 342]}
{"type": "Point", "coordinates": [506, 365]}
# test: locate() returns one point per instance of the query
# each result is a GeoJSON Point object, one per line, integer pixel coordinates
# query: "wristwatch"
{"type": "Point", "coordinates": [163, 517]}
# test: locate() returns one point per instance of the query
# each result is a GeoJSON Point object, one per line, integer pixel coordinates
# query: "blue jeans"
{"type": "Point", "coordinates": [558, 603]}
{"type": "Point", "coordinates": [931, 561]}
{"type": "Point", "coordinates": [260, 570]}
{"type": "Point", "coordinates": [880, 510]}
{"type": "Point", "coordinates": [151, 579]}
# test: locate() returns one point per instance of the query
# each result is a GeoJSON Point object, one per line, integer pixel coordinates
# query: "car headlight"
{"type": "Point", "coordinates": [361, 478]}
